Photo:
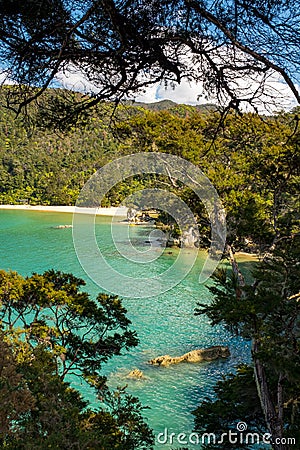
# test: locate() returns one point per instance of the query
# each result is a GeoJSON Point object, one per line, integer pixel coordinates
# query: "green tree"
{"type": "Point", "coordinates": [235, 401]}
{"type": "Point", "coordinates": [51, 330]}
{"type": "Point", "coordinates": [268, 313]}
{"type": "Point", "coordinates": [15, 397]}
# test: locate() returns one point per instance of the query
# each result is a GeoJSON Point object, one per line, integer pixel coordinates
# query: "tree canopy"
{"type": "Point", "coordinates": [51, 329]}
{"type": "Point", "coordinates": [266, 394]}
{"type": "Point", "coordinates": [253, 163]}
{"type": "Point", "coordinates": [232, 46]}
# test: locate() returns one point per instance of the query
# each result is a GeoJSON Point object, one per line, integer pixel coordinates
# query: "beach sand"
{"type": "Point", "coordinates": [112, 211]}
{"type": "Point", "coordinates": [244, 256]}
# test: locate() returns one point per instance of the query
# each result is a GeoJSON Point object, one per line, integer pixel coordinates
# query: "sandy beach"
{"type": "Point", "coordinates": [112, 211]}
{"type": "Point", "coordinates": [244, 256]}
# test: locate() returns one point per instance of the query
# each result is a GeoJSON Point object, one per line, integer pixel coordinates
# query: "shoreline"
{"type": "Point", "coordinates": [111, 211]}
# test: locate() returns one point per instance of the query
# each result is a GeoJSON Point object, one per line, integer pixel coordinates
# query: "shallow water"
{"type": "Point", "coordinates": [165, 324]}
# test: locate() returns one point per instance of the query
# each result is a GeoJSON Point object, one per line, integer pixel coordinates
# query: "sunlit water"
{"type": "Point", "coordinates": [165, 324]}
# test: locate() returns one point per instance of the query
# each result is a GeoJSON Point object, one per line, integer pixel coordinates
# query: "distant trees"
{"type": "Point", "coordinates": [233, 47]}
{"type": "Point", "coordinates": [50, 330]}
{"type": "Point", "coordinates": [253, 163]}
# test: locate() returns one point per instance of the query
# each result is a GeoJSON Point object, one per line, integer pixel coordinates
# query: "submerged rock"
{"type": "Point", "coordinates": [206, 354]}
{"type": "Point", "coordinates": [173, 242]}
{"type": "Point", "coordinates": [59, 227]}
{"type": "Point", "coordinates": [136, 374]}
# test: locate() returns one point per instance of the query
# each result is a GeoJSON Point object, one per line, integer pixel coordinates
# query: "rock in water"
{"type": "Point", "coordinates": [60, 227]}
{"type": "Point", "coordinates": [206, 354]}
{"type": "Point", "coordinates": [136, 374]}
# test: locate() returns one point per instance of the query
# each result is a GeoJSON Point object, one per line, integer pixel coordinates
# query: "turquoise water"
{"type": "Point", "coordinates": [165, 324]}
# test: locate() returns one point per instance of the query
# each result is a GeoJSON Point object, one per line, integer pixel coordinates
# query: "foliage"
{"type": "Point", "coordinates": [252, 161]}
{"type": "Point", "coordinates": [50, 331]}
{"type": "Point", "coordinates": [268, 313]}
{"type": "Point", "coordinates": [15, 397]}
{"type": "Point", "coordinates": [236, 401]}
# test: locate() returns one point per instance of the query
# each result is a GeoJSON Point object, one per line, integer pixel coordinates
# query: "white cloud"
{"type": "Point", "coordinates": [4, 78]}
{"type": "Point", "coordinates": [274, 96]}
{"type": "Point", "coordinates": [74, 80]}
{"type": "Point", "coordinates": [185, 92]}
{"type": "Point", "coordinates": [149, 95]}
{"type": "Point", "coordinates": [267, 91]}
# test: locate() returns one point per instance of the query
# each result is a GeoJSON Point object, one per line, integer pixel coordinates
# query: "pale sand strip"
{"type": "Point", "coordinates": [112, 211]}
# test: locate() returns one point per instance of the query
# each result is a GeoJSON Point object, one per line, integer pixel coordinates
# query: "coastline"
{"type": "Point", "coordinates": [111, 211]}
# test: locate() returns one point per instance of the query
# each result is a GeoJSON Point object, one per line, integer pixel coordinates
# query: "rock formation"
{"type": "Point", "coordinates": [136, 374]}
{"type": "Point", "coordinates": [206, 354]}
{"type": "Point", "coordinates": [190, 238]}
{"type": "Point", "coordinates": [131, 214]}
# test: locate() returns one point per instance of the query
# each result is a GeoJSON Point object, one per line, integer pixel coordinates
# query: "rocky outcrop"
{"type": "Point", "coordinates": [173, 242]}
{"type": "Point", "coordinates": [131, 215]}
{"type": "Point", "coordinates": [136, 374]}
{"type": "Point", "coordinates": [190, 238]}
{"type": "Point", "coordinates": [206, 354]}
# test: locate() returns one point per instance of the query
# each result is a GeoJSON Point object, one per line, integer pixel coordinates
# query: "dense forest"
{"type": "Point", "coordinates": [251, 160]}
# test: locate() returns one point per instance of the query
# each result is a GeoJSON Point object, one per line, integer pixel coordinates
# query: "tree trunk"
{"type": "Point", "coordinates": [274, 419]}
